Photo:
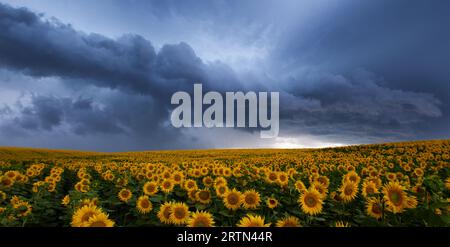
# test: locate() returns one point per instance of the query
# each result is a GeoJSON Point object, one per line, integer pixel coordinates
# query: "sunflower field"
{"type": "Point", "coordinates": [393, 184]}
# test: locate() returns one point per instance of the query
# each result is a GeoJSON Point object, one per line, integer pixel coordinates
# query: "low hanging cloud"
{"type": "Point", "coordinates": [356, 106]}
{"type": "Point", "coordinates": [139, 79]}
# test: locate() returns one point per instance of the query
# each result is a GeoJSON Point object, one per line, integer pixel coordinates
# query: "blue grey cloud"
{"type": "Point", "coordinates": [356, 72]}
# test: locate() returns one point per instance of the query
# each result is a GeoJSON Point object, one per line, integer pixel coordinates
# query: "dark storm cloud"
{"type": "Point", "coordinates": [355, 104]}
{"type": "Point", "coordinates": [48, 112]}
{"type": "Point", "coordinates": [404, 49]}
{"type": "Point", "coordinates": [141, 79]}
{"type": "Point", "coordinates": [366, 71]}
{"type": "Point", "coordinates": [405, 42]}
{"type": "Point", "coordinates": [45, 48]}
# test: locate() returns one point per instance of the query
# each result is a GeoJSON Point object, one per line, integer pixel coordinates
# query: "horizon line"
{"type": "Point", "coordinates": [217, 149]}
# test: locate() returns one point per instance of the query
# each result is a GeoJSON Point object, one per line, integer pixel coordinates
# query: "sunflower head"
{"type": "Point", "coordinates": [177, 177]}
{"type": "Point", "coordinates": [251, 199]}
{"type": "Point", "coordinates": [179, 213]}
{"type": "Point", "coordinates": [203, 196]}
{"type": "Point", "coordinates": [352, 176]}
{"type": "Point", "coordinates": [395, 197]}
{"type": "Point", "coordinates": [369, 188]}
{"type": "Point", "coordinates": [221, 190]}
{"type": "Point", "coordinates": [300, 186]}
{"type": "Point", "coordinates": [23, 208]}
{"type": "Point", "coordinates": [99, 220]}
{"type": "Point", "coordinates": [321, 188]}
{"type": "Point", "coordinates": [271, 202]}
{"type": "Point", "coordinates": [190, 185]}
{"type": "Point", "coordinates": [6, 181]}
{"type": "Point", "coordinates": [144, 205]}
{"type": "Point", "coordinates": [252, 221]}
{"type": "Point", "coordinates": [288, 221]}
{"type": "Point", "coordinates": [323, 180]}
{"type": "Point", "coordinates": [167, 185]}
{"type": "Point", "coordinates": [150, 188]}
{"type": "Point", "coordinates": [311, 202]}
{"type": "Point", "coordinates": [200, 219]}
{"type": "Point", "coordinates": [232, 199]}
{"type": "Point", "coordinates": [125, 195]}
{"type": "Point", "coordinates": [272, 176]}
{"type": "Point", "coordinates": [374, 208]}
{"type": "Point", "coordinates": [283, 178]}
{"type": "Point", "coordinates": [220, 181]}
{"type": "Point", "coordinates": [82, 215]}
{"type": "Point", "coordinates": [164, 212]}
{"type": "Point", "coordinates": [208, 181]}
{"type": "Point", "coordinates": [349, 190]}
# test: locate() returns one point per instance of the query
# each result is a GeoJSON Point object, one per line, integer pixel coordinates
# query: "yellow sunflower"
{"type": "Point", "coordinates": [167, 185]}
{"type": "Point", "coordinates": [201, 219]}
{"type": "Point", "coordinates": [300, 186]}
{"type": "Point", "coordinates": [15, 200]}
{"type": "Point", "coordinates": [369, 188]}
{"type": "Point", "coordinates": [311, 202]}
{"type": "Point", "coordinates": [192, 194]}
{"type": "Point", "coordinates": [208, 181]}
{"type": "Point", "coordinates": [11, 174]}
{"type": "Point", "coordinates": [99, 220]}
{"type": "Point", "coordinates": [6, 181]}
{"type": "Point", "coordinates": [203, 196]}
{"type": "Point", "coordinates": [251, 199]}
{"type": "Point", "coordinates": [190, 185]}
{"type": "Point", "coordinates": [411, 202]}
{"type": "Point", "coordinates": [271, 202]}
{"type": "Point", "coordinates": [391, 176]}
{"type": "Point", "coordinates": [164, 212]}
{"type": "Point", "coordinates": [395, 197]}
{"type": "Point", "coordinates": [177, 177]}
{"type": "Point", "coordinates": [321, 188]}
{"type": "Point", "coordinates": [150, 188]}
{"type": "Point", "coordinates": [220, 181]}
{"type": "Point", "coordinates": [288, 221]}
{"type": "Point", "coordinates": [418, 172]}
{"type": "Point", "coordinates": [374, 208]}
{"type": "Point", "coordinates": [232, 199]}
{"type": "Point", "coordinates": [323, 180]}
{"type": "Point", "coordinates": [283, 179]}
{"type": "Point", "coordinates": [23, 208]}
{"type": "Point", "coordinates": [252, 221]}
{"type": "Point", "coordinates": [352, 176]}
{"type": "Point", "coordinates": [341, 224]}
{"type": "Point", "coordinates": [144, 205]}
{"type": "Point", "coordinates": [179, 213]}
{"type": "Point", "coordinates": [125, 195]}
{"type": "Point", "coordinates": [227, 172]}
{"type": "Point", "coordinates": [272, 176]}
{"type": "Point", "coordinates": [348, 190]}
{"type": "Point", "coordinates": [66, 200]}
{"type": "Point", "coordinates": [221, 190]}
{"type": "Point", "coordinates": [82, 215]}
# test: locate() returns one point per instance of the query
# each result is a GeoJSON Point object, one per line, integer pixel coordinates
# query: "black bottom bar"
{"type": "Point", "coordinates": [223, 236]}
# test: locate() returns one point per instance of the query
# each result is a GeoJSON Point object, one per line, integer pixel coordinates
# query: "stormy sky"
{"type": "Point", "coordinates": [99, 75]}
